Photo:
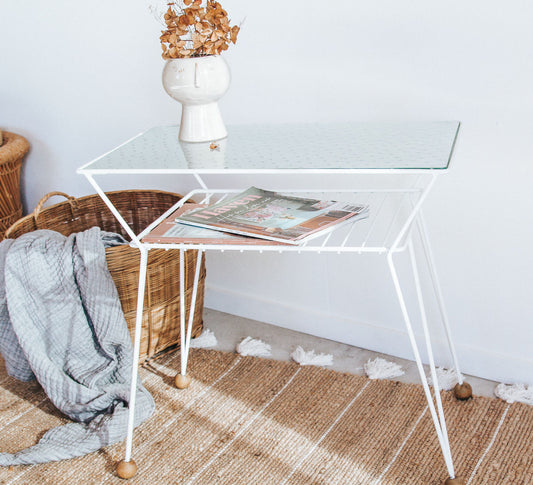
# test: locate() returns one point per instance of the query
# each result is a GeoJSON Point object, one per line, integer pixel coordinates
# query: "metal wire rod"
{"type": "Point", "coordinates": [423, 378]}
{"type": "Point", "coordinates": [352, 226]}
{"type": "Point", "coordinates": [423, 317]}
{"type": "Point", "coordinates": [113, 210]}
{"type": "Point", "coordinates": [326, 239]}
{"type": "Point", "coordinates": [87, 173]}
{"type": "Point", "coordinates": [394, 219]}
{"type": "Point", "coordinates": [225, 196]}
{"type": "Point", "coordinates": [161, 218]}
{"type": "Point", "coordinates": [136, 351]}
{"type": "Point", "coordinates": [412, 215]}
{"type": "Point", "coordinates": [375, 217]}
{"type": "Point", "coordinates": [304, 247]}
{"type": "Point", "coordinates": [200, 181]}
{"type": "Point", "coordinates": [183, 362]}
{"type": "Point", "coordinates": [185, 348]}
{"type": "Point", "coordinates": [438, 292]}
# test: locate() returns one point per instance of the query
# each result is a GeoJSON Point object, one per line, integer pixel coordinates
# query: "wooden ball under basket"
{"type": "Point", "coordinates": [161, 317]}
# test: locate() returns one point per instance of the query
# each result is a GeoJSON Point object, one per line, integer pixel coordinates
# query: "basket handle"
{"type": "Point", "coordinates": [71, 200]}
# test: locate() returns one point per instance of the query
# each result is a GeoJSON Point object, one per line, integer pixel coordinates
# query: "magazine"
{"type": "Point", "coordinates": [270, 215]}
{"type": "Point", "coordinates": [170, 231]}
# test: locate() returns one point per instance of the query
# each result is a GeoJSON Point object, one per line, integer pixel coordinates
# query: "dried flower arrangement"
{"type": "Point", "coordinates": [194, 30]}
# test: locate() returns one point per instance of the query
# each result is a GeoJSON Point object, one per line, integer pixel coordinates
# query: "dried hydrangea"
{"type": "Point", "coordinates": [194, 30]}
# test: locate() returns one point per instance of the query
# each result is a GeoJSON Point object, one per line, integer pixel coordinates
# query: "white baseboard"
{"type": "Point", "coordinates": [473, 360]}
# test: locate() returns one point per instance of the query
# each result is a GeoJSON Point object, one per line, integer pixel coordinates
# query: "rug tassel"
{"type": "Point", "coordinates": [310, 358]}
{"type": "Point", "coordinates": [254, 348]}
{"type": "Point", "coordinates": [382, 369]}
{"type": "Point", "coordinates": [447, 378]}
{"type": "Point", "coordinates": [205, 340]}
{"type": "Point", "coordinates": [515, 393]}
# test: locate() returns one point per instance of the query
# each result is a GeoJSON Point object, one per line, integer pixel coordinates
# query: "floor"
{"type": "Point", "coordinates": [230, 330]}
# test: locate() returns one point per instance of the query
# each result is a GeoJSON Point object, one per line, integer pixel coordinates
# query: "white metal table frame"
{"type": "Point", "coordinates": [404, 221]}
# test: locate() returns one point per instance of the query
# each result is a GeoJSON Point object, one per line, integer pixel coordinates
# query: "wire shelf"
{"type": "Point", "coordinates": [389, 212]}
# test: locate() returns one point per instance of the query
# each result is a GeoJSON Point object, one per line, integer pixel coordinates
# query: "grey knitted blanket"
{"type": "Point", "coordinates": [61, 322]}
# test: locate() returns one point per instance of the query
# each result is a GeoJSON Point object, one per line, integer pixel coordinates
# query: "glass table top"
{"type": "Point", "coordinates": [287, 147]}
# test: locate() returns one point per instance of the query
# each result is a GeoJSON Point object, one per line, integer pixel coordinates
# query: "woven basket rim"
{"type": "Point", "coordinates": [14, 147]}
{"type": "Point", "coordinates": [76, 200]}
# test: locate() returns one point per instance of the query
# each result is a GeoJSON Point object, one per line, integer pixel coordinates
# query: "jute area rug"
{"type": "Point", "coordinates": [248, 421]}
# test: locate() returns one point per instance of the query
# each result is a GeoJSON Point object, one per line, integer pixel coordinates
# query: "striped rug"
{"type": "Point", "coordinates": [252, 421]}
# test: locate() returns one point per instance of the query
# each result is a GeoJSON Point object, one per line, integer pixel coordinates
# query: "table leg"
{"type": "Point", "coordinates": [182, 380]}
{"type": "Point", "coordinates": [438, 418]}
{"type": "Point", "coordinates": [127, 467]}
{"type": "Point", "coordinates": [462, 390]}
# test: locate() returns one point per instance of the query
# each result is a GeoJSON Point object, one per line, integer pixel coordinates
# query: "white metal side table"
{"type": "Point", "coordinates": [389, 166]}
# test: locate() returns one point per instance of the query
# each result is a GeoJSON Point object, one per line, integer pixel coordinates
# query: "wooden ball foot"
{"type": "Point", "coordinates": [454, 481]}
{"type": "Point", "coordinates": [463, 391]}
{"type": "Point", "coordinates": [126, 469]}
{"type": "Point", "coordinates": [182, 382]}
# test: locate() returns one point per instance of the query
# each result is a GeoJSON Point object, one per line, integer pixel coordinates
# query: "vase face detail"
{"type": "Point", "coordinates": [198, 83]}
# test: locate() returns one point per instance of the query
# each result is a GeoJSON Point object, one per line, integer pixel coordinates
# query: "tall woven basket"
{"type": "Point", "coordinates": [161, 317]}
{"type": "Point", "coordinates": [12, 151]}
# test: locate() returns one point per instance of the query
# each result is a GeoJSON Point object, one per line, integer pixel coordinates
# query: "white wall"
{"type": "Point", "coordinates": [77, 79]}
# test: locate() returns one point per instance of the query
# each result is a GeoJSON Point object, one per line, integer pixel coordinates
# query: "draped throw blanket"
{"type": "Point", "coordinates": [61, 322]}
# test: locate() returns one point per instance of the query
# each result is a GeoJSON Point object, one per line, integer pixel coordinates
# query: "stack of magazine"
{"type": "Point", "coordinates": [255, 216]}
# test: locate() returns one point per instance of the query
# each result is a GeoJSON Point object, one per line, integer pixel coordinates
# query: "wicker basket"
{"type": "Point", "coordinates": [161, 328]}
{"type": "Point", "coordinates": [12, 152]}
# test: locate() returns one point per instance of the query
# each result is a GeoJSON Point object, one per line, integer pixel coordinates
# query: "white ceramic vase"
{"type": "Point", "coordinates": [198, 83]}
